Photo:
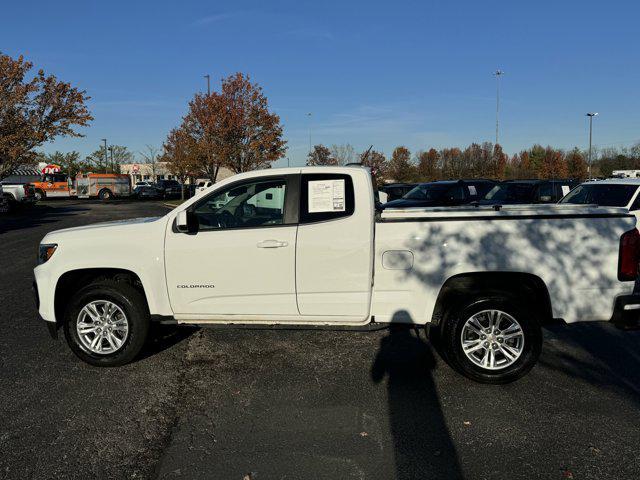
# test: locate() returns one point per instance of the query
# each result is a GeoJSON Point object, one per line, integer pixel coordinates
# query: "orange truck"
{"type": "Point", "coordinates": [53, 183]}
{"type": "Point", "coordinates": [102, 185]}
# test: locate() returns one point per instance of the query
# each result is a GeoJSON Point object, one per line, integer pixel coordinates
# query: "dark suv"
{"type": "Point", "coordinates": [395, 191]}
{"type": "Point", "coordinates": [444, 193]}
{"type": "Point", "coordinates": [512, 192]}
{"type": "Point", "coordinates": [168, 188]}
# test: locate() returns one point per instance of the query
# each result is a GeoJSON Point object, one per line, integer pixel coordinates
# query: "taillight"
{"type": "Point", "coordinates": [26, 190]}
{"type": "Point", "coordinates": [629, 255]}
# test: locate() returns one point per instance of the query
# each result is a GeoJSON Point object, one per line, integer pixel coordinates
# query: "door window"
{"type": "Point", "coordinates": [248, 205]}
{"type": "Point", "coordinates": [545, 193]}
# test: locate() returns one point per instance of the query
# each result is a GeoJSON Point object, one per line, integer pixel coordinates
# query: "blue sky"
{"type": "Point", "coordinates": [384, 73]}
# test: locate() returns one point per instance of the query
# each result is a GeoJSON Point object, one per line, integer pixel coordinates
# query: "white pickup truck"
{"type": "Point", "coordinates": [306, 246]}
{"type": "Point", "coordinates": [18, 194]}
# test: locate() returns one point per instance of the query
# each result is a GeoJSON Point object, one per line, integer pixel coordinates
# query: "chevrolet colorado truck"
{"type": "Point", "coordinates": [306, 246]}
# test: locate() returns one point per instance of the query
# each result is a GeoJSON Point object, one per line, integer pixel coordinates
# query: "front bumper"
{"type": "Point", "coordinates": [51, 326]}
{"type": "Point", "coordinates": [626, 312]}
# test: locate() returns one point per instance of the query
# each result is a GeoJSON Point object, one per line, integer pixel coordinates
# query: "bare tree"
{"type": "Point", "coordinates": [343, 154]}
{"type": "Point", "coordinates": [150, 156]}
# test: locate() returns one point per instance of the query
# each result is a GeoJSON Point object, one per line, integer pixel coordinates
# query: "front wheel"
{"type": "Point", "coordinates": [106, 323]}
{"type": "Point", "coordinates": [491, 340]}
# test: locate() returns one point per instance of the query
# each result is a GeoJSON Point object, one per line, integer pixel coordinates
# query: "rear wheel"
{"type": "Point", "coordinates": [105, 194]}
{"type": "Point", "coordinates": [106, 323]}
{"type": "Point", "coordinates": [491, 339]}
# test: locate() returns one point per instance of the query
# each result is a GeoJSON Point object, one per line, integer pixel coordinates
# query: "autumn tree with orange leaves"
{"type": "Point", "coordinates": [377, 164]}
{"type": "Point", "coordinates": [180, 155]}
{"type": "Point", "coordinates": [232, 128]}
{"type": "Point", "coordinates": [320, 155]}
{"type": "Point", "coordinates": [400, 168]}
{"type": "Point", "coordinates": [34, 111]}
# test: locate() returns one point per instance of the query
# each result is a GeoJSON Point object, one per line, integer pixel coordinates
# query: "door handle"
{"type": "Point", "coordinates": [271, 244]}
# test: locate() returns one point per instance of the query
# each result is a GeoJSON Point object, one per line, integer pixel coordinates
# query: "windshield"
{"type": "Point", "coordinates": [511, 193]}
{"type": "Point", "coordinates": [427, 191]}
{"type": "Point", "coordinates": [604, 194]}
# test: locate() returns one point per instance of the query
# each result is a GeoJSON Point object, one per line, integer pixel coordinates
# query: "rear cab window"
{"type": "Point", "coordinates": [326, 196]}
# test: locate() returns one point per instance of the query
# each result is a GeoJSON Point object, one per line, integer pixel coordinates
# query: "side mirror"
{"type": "Point", "coordinates": [186, 222]}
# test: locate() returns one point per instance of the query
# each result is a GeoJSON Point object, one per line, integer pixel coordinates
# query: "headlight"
{"type": "Point", "coordinates": [46, 251]}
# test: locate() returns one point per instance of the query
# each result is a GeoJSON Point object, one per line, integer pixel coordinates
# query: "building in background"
{"type": "Point", "coordinates": [141, 172]}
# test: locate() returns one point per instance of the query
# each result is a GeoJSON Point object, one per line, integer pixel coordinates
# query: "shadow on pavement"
{"type": "Point", "coordinates": [612, 357]}
{"type": "Point", "coordinates": [28, 217]}
{"type": "Point", "coordinates": [163, 337]}
{"type": "Point", "coordinates": [422, 443]}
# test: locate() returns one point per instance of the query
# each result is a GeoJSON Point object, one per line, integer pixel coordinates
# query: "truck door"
{"type": "Point", "coordinates": [241, 261]}
{"type": "Point", "coordinates": [334, 262]}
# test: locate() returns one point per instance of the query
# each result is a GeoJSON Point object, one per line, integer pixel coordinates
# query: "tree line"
{"type": "Point", "coordinates": [484, 160]}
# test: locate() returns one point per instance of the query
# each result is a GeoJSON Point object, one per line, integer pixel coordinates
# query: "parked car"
{"type": "Point", "coordinates": [396, 191]}
{"type": "Point", "coordinates": [444, 193]}
{"type": "Point", "coordinates": [618, 192]}
{"type": "Point", "coordinates": [17, 195]}
{"type": "Point", "coordinates": [203, 185]}
{"type": "Point", "coordinates": [512, 192]}
{"type": "Point", "coordinates": [168, 188]}
{"type": "Point", "coordinates": [146, 192]}
{"type": "Point", "coordinates": [301, 245]}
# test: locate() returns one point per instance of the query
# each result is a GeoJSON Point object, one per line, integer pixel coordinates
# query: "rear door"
{"type": "Point", "coordinates": [334, 256]}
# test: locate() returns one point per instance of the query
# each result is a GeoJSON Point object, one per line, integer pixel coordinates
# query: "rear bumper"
{"type": "Point", "coordinates": [626, 312]}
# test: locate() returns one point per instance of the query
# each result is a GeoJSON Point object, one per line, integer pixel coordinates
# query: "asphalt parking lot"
{"type": "Point", "coordinates": [276, 404]}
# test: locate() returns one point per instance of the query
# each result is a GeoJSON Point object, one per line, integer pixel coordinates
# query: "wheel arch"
{"type": "Point", "coordinates": [523, 285]}
{"type": "Point", "coordinates": [71, 281]}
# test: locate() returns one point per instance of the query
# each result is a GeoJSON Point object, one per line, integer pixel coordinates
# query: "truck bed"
{"type": "Point", "coordinates": [573, 249]}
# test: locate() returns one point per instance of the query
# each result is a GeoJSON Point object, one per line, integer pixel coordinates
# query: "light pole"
{"type": "Point", "coordinates": [106, 158]}
{"type": "Point", "coordinates": [208, 77]}
{"type": "Point", "coordinates": [498, 73]}
{"type": "Point", "coordinates": [113, 166]}
{"type": "Point", "coordinates": [590, 115]}
{"type": "Point", "coordinates": [309, 115]}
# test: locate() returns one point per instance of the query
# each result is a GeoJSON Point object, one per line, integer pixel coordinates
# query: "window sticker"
{"type": "Point", "coordinates": [565, 190]}
{"type": "Point", "coordinates": [472, 190]}
{"type": "Point", "coordinates": [326, 196]}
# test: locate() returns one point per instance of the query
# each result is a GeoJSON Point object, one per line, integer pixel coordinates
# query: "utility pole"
{"type": "Point", "coordinates": [106, 158]}
{"type": "Point", "coordinates": [590, 115]}
{"type": "Point", "coordinates": [208, 77]}
{"type": "Point", "coordinates": [498, 74]}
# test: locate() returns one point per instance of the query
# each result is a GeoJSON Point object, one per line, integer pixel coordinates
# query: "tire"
{"type": "Point", "coordinates": [131, 304]}
{"type": "Point", "coordinates": [105, 194]}
{"type": "Point", "coordinates": [511, 359]}
{"type": "Point", "coordinates": [40, 195]}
